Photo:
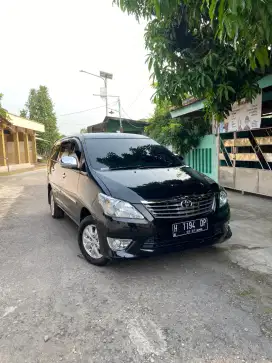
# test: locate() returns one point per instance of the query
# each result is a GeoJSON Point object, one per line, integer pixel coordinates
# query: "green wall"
{"type": "Point", "coordinates": [204, 158]}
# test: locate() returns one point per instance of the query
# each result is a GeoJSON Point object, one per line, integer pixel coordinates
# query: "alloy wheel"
{"type": "Point", "coordinates": [90, 241]}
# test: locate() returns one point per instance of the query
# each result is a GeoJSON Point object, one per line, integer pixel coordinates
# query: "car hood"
{"type": "Point", "coordinates": [150, 184]}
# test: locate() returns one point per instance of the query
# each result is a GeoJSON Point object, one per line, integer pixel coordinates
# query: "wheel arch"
{"type": "Point", "coordinates": [84, 213]}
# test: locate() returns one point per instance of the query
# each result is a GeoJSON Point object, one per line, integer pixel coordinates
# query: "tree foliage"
{"type": "Point", "coordinates": [3, 112]}
{"type": "Point", "coordinates": [84, 130]}
{"type": "Point", "coordinates": [39, 107]}
{"type": "Point", "coordinates": [212, 49]}
{"type": "Point", "coordinates": [182, 133]}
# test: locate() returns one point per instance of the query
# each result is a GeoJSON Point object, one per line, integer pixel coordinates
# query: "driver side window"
{"type": "Point", "coordinates": [69, 148]}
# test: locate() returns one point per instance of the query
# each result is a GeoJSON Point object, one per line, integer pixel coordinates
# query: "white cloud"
{"type": "Point", "coordinates": [48, 41]}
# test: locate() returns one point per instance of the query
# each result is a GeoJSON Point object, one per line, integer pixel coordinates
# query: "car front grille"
{"type": "Point", "coordinates": [182, 207]}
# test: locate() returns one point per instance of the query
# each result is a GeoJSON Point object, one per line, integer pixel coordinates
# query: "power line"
{"type": "Point", "coordinates": [138, 95]}
{"type": "Point", "coordinates": [72, 123]}
{"type": "Point", "coordinates": [83, 122]}
{"type": "Point", "coordinates": [73, 113]}
{"type": "Point", "coordinates": [125, 113]}
{"type": "Point", "coordinates": [136, 127]}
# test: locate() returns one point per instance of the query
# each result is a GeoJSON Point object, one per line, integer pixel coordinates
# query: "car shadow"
{"type": "Point", "coordinates": [186, 260]}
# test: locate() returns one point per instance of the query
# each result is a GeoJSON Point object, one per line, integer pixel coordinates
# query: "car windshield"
{"type": "Point", "coordinates": [116, 154]}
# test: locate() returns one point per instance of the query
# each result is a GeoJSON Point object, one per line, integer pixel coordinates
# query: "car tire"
{"type": "Point", "coordinates": [88, 241]}
{"type": "Point", "coordinates": [56, 211]}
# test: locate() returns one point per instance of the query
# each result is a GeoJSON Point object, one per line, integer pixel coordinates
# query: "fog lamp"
{"type": "Point", "coordinates": [118, 244]}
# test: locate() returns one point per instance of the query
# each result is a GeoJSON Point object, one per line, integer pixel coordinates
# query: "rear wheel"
{"type": "Point", "coordinates": [89, 243]}
{"type": "Point", "coordinates": [56, 212]}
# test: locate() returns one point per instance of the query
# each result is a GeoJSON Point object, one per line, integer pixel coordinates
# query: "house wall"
{"type": "Point", "coordinates": [204, 158]}
{"type": "Point", "coordinates": [114, 126]}
{"type": "Point", "coordinates": [17, 146]}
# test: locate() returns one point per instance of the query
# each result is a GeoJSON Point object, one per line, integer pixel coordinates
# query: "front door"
{"type": "Point", "coordinates": [70, 179]}
{"type": "Point", "coordinates": [69, 192]}
{"type": "Point", "coordinates": [54, 173]}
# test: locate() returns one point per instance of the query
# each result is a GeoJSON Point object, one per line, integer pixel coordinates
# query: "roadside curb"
{"type": "Point", "coordinates": [22, 171]}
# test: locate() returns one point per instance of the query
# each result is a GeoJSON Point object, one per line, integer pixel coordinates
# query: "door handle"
{"type": "Point", "coordinates": [64, 175]}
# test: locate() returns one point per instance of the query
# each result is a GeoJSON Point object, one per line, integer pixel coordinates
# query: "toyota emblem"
{"type": "Point", "coordinates": [186, 203]}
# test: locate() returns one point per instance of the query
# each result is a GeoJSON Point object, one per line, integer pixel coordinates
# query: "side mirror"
{"type": "Point", "coordinates": [69, 162]}
{"type": "Point", "coordinates": [181, 158]}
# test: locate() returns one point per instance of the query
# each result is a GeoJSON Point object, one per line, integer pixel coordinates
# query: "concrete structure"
{"type": "Point", "coordinates": [18, 142]}
{"type": "Point", "coordinates": [112, 124]}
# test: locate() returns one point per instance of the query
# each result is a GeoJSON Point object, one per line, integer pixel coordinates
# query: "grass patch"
{"type": "Point", "coordinates": [247, 292]}
{"type": "Point", "coordinates": [267, 310]}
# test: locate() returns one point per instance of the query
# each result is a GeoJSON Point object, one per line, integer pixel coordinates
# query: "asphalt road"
{"type": "Point", "coordinates": [195, 306]}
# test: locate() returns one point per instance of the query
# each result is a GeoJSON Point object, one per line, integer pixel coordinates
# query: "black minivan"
{"type": "Point", "coordinates": [132, 197]}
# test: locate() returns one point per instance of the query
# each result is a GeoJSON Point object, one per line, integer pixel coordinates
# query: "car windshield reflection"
{"type": "Point", "coordinates": [130, 154]}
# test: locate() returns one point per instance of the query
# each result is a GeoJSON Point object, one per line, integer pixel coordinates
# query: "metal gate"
{"type": "Point", "coordinates": [246, 160]}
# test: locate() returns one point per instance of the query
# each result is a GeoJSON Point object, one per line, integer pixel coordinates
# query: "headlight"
{"type": "Point", "coordinates": [117, 208]}
{"type": "Point", "coordinates": [223, 197]}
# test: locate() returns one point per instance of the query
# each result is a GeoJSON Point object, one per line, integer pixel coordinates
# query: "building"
{"type": "Point", "coordinates": [239, 153]}
{"type": "Point", "coordinates": [18, 143]}
{"type": "Point", "coordinates": [112, 124]}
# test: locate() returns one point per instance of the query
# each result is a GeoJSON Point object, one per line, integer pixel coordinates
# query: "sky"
{"type": "Point", "coordinates": [47, 42]}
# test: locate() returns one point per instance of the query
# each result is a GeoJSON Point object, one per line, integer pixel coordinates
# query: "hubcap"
{"type": "Point", "coordinates": [91, 241]}
{"type": "Point", "coordinates": [52, 204]}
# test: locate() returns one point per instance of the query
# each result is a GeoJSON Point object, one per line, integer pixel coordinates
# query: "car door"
{"type": "Point", "coordinates": [54, 172]}
{"type": "Point", "coordinates": [70, 179]}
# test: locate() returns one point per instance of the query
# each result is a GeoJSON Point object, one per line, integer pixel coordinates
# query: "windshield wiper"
{"type": "Point", "coordinates": [121, 168]}
{"type": "Point", "coordinates": [149, 166]}
{"type": "Point", "coordinates": [136, 167]}
{"type": "Point", "coordinates": [139, 167]}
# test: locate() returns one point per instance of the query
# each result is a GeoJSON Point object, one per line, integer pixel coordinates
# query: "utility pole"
{"type": "Point", "coordinates": [106, 95]}
{"type": "Point", "coordinates": [120, 116]}
{"type": "Point", "coordinates": [105, 76]}
{"type": "Point", "coordinates": [119, 111]}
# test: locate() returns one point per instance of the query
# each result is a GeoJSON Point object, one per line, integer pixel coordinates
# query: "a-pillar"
{"type": "Point", "coordinates": [17, 146]}
{"type": "Point", "coordinates": [26, 147]}
{"type": "Point", "coordinates": [34, 148]}
{"type": "Point", "coordinates": [3, 160]}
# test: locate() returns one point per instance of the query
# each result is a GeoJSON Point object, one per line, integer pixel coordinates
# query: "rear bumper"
{"type": "Point", "coordinates": [155, 236]}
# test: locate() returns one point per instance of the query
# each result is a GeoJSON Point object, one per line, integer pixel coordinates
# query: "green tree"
{"type": "Point", "coordinates": [39, 107]}
{"type": "Point", "coordinates": [23, 113]}
{"type": "Point", "coordinates": [3, 112]}
{"type": "Point", "coordinates": [182, 133]}
{"type": "Point", "coordinates": [83, 131]}
{"type": "Point", "coordinates": [212, 49]}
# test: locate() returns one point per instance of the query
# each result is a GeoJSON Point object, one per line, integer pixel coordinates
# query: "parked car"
{"type": "Point", "coordinates": [131, 197]}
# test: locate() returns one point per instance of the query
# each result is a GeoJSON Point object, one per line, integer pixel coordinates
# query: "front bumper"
{"type": "Point", "coordinates": [152, 236]}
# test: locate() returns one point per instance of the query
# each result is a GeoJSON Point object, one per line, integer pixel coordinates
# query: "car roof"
{"type": "Point", "coordinates": [105, 135]}
{"type": "Point", "coordinates": [113, 135]}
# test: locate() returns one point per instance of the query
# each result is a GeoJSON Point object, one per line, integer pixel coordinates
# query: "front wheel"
{"type": "Point", "coordinates": [89, 243]}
